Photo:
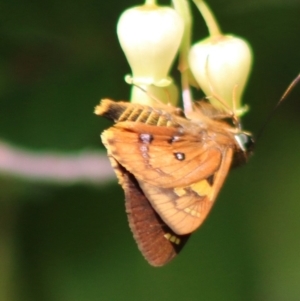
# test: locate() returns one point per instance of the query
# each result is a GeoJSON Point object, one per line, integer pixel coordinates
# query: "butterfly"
{"type": "Point", "coordinates": [171, 167]}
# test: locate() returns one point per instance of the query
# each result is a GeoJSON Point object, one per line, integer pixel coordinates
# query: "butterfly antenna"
{"type": "Point", "coordinates": [282, 98]}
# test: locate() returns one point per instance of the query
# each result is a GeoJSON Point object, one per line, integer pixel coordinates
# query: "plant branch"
{"type": "Point", "coordinates": [82, 167]}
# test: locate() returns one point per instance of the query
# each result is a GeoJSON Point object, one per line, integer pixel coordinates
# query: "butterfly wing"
{"type": "Point", "coordinates": [162, 156]}
{"type": "Point", "coordinates": [157, 242]}
{"type": "Point", "coordinates": [185, 209]}
{"type": "Point", "coordinates": [179, 174]}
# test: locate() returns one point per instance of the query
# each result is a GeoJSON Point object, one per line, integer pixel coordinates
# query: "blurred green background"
{"type": "Point", "coordinates": [59, 242]}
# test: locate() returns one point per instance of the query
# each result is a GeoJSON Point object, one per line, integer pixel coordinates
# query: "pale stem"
{"type": "Point", "coordinates": [209, 18]}
{"type": "Point", "coordinates": [92, 168]}
{"type": "Point", "coordinates": [186, 93]}
{"type": "Point", "coordinates": [183, 9]}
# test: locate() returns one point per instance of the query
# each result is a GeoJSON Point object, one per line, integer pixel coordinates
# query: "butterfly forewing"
{"type": "Point", "coordinates": [159, 161]}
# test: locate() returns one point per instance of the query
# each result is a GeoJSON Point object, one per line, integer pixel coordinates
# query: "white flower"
{"type": "Point", "coordinates": [150, 36]}
{"type": "Point", "coordinates": [221, 66]}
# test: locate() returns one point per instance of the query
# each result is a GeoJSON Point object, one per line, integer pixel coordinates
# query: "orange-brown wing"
{"type": "Point", "coordinates": [164, 157]}
{"type": "Point", "coordinates": [179, 173]}
{"type": "Point", "coordinates": [184, 209]}
{"type": "Point", "coordinates": [157, 242]}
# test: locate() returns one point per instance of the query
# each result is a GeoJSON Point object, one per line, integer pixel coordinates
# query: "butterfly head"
{"type": "Point", "coordinates": [245, 141]}
{"type": "Point", "coordinates": [245, 146]}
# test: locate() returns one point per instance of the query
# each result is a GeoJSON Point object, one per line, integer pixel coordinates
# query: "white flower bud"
{"type": "Point", "coordinates": [150, 36]}
{"type": "Point", "coordinates": [221, 66]}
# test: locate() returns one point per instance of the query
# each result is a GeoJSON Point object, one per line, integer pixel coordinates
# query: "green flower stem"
{"type": "Point", "coordinates": [210, 20]}
{"type": "Point", "coordinates": [150, 2]}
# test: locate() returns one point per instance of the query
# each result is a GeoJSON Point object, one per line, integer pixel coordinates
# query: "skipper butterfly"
{"type": "Point", "coordinates": [171, 167]}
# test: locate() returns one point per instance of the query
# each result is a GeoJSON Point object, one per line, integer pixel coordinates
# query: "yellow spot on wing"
{"type": "Point", "coordinates": [192, 212]}
{"type": "Point", "coordinates": [202, 188]}
{"type": "Point", "coordinates": [172, 238]}
{"type": "Point", "coordinates": [180, 191]}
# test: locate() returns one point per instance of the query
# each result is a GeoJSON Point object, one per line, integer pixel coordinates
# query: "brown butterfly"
{"type": "Point", "coordinates": [171, 168]}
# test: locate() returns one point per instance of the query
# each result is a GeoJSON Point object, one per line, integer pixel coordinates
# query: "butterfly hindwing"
{"type": "Point", "coordinates": [157, 242]}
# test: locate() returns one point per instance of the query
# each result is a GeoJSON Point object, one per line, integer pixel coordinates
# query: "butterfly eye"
{"type": "Point", "coordinates": [245, 141]}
